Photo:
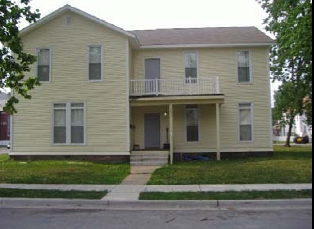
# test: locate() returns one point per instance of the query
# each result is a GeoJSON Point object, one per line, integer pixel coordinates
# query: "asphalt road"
{"type": "Point", "coordinates": [38, 218]}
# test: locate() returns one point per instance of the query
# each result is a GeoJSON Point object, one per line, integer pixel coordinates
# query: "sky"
{"type": "Point", "coordinates": [147, 14]}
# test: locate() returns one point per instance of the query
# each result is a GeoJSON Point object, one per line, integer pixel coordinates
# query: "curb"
{"type": "Point", "coordinates": [156, 205]}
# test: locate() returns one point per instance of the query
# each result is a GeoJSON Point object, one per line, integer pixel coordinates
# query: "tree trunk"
{"type": "Point", "coordinates": [289, 132]}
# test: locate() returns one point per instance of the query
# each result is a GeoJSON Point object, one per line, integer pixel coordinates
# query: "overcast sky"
{"type": "Point", "coordinates": [148, 14]}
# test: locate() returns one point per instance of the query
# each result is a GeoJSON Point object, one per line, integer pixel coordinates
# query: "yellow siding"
{"type": "Point", "coordinates": [106, 101]}
{"type": "Point", "coordinates": [219, 62]}
{"type": "Point", "coordinates": [107, 115]}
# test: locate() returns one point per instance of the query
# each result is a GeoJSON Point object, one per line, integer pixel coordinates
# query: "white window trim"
{"type": "Point", "coordinates": [199, 125]}
{"type": "Point", "coordinates": [101, 63]}
{"type": "Point", "coordinates": [197, 65]}
{"type": "Point", "coordinates": [68, 124]}
{"type": "Point", "coordinates": [252, 118]}
{"type": "Point", "coordinates": [250, 66]}
{"type": "Point", "coordinates": [50, 66]}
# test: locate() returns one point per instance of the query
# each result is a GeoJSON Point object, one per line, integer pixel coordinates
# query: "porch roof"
{"type": "Point", "coordinates": [188, 99]}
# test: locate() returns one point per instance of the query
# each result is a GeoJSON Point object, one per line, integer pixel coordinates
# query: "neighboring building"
{"type": "Point", "coordinates": [109, 94]}
{"type": "Point", "coordinates": [4, 121]}
{"type": "Point", "coordinates": [299, 128]}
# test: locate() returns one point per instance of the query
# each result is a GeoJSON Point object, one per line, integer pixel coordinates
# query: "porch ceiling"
{"type": "Point", "coordinates": [165, 100]}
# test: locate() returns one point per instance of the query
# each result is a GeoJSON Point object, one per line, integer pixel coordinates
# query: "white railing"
{"type": "Point", "coordinates": [190, 86]}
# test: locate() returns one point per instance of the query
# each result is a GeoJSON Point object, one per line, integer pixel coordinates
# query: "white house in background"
{"type": "Point", "coordinates": [300, 128]}
{"type": "Point", "coordinates": [4, 121]}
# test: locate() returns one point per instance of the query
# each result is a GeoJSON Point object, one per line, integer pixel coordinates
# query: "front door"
{"type": "Point", "coordinates": [152, 130]}
{"type": "Point", "coordinates": [152, 72]}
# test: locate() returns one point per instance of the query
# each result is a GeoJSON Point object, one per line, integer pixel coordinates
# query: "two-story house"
{"type": "Point", "coordinates": [111, 95]}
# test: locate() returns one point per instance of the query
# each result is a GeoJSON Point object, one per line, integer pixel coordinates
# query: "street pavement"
{"type": "Point", "coordinates": [233, 218]}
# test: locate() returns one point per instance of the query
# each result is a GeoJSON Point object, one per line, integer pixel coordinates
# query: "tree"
{"type": "Point", "coordinates": [290, 21]}
{"type": "Point", "coordinates": [14, 62]}
{"type": "Point", "coordinates": [289, 101]}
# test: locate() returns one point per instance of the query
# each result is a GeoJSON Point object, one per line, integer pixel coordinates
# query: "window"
{"type": "Point", "coordinates": [59, 124]}
{"type": "Point", "coordinates": [244, 72]}
{"type": "Point", "coordinates": [245, 122]}
{"type": "Point", "coordinates": [68, 123]}
{"type": "Point", "coordinates": [95, 59]}
{"type": "Point", "coordinates": [190, 60]}
{"type": "Point", "coordinates": [192, 123]}
{"type": "Point", "coordinates": [43, 64]}
{"type": "Point", "coordinates": [77, 123]}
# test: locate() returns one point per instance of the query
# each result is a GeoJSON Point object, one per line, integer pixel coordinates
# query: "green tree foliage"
{"type": "Point", "coordinates": [289, 101]}
{"type": "Point", "coordinates": [14, 62]}
{"type": "Point", "coordinates": [290, 21]}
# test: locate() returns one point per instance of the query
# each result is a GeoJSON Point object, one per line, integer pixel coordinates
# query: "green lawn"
{"type": "Point", "coordinates": [249, 195]}
{"type": "Point", "coordinates": [29, 193]}
{"type": "Point", "coordinates": [288, 165]}
{"type": "Point", "coordinates": [60, 172]}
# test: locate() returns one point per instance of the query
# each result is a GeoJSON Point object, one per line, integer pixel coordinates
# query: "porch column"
{"type": "Point", "coordinates": [218, 130]}
{"type": "Point", "coordinates": [171, 132]}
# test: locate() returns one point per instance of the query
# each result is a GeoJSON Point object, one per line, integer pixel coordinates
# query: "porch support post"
{"type": "Point", "coordinates": [171, 132]}
{"type": "Point", "coordinates": [218, 130]}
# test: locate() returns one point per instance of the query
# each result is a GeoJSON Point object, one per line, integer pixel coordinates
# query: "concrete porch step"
{"type": "Point", "coordinates": [146, 157]}
{"type": "Point", "coordinates": [149, 156]}
{"type": "Point", "coordinates": [150, 153]}
{"type": "Point", "coordinates": [148, 163]}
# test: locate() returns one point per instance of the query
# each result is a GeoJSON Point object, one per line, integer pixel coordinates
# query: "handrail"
{"type": "Point", "coordinates": [188, 86]}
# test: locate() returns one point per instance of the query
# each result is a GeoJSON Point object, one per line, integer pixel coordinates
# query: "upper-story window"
{"type": "Point", "coordinates": [43, 64]}
{"type": "Point", "coordinates": [190, 61]}
{"type": "Point", "coordinates": [95, 63]}
{"type": "Point", "coordinates": [244, 68]}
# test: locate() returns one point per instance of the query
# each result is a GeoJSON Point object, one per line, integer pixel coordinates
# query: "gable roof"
{"type": "Point", "coordinates": [67, 8]}
{"type": "Point", "coordinates": [173, 38]}
{"type": "Point", "coordinates": [203, 37]}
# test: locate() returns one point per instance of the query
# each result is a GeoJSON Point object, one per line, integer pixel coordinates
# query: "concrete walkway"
{"type": "Point", "coordinates": [132, 185]}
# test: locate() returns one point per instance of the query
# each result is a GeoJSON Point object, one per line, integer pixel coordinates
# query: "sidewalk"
{"type": "Point", "coordinates": [135, 183]}
{"type": "Point", "coordinates": [130, 192]}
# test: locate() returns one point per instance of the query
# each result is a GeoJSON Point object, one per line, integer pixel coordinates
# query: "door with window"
{"type": "Point", "coordinates": [152, 76]}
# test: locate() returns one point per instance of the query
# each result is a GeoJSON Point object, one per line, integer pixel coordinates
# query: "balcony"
{"type": "Point", "coordinates": [189, 86]}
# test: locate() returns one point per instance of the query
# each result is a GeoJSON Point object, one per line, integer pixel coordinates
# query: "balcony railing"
{"type": "Point", "coordinates": [189, 86]}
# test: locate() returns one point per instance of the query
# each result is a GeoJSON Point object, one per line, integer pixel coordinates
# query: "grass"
{"type": "Point", "coordinates": [29, 193]}
{"type": "Point", "coordinates": [288, 165]}
{"type": "Point", "coordinates": [249, 195]}
{"type": "Point", "coordinates": [60, 172]}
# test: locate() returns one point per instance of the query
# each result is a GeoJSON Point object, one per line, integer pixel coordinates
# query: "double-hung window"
{"type": "Point", "coordinates": [245, 121]}
{"type": "Point", "coordinates": [192, 123]}
{"type": "Point", "coordinates": [95, 63]}
{"type": "Point", "coordinates": [59, 123]}
{"type": "Point", "coordinates": [68, 123]}
{"type": "Point", "coordinates": [43, 64]}
{"type": "Point", "coordinates": [244, 67]}
{"type": "Point", "coordinates": [190, 61]}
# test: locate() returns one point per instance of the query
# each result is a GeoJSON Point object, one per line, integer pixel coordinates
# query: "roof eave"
{"type": "Point", "coordinates": [207, 45]}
